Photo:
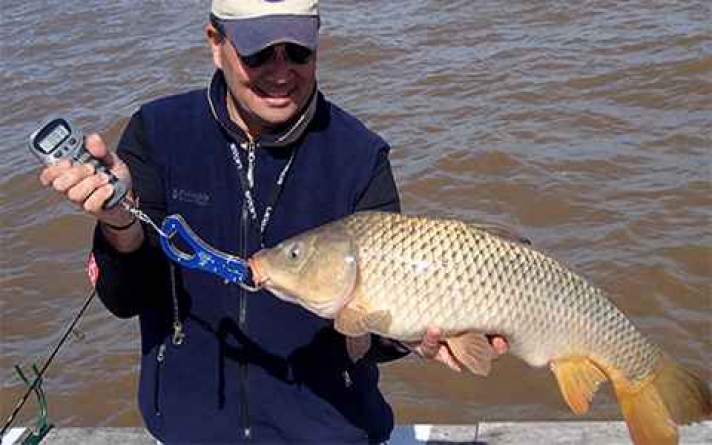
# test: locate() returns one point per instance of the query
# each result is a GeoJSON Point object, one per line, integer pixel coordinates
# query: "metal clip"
{"type": "Point", "coordinates": [178, 334]}
{"type": "Point", "coordinates": [203, 257]}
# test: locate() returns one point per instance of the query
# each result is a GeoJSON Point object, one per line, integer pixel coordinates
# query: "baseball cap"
{"type": "Point", "coordinates": [253, 25]}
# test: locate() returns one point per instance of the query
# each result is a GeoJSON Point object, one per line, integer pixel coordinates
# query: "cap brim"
{"type": "Point", "coordinates": [251, 35]}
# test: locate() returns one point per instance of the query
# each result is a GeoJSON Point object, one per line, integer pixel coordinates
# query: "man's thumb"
{"type": "Point", "coordinates": [98, 149]}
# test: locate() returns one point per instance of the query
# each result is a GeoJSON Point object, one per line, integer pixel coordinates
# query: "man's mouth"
{"type": "Point", "coordinates": [278, 93]}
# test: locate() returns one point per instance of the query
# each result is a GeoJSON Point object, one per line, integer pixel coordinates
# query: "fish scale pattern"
{"type": "Point", "coordinates": [427, 271]}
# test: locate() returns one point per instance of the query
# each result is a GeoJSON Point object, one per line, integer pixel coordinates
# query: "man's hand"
{"type": "Point", "coordinates": [434, 348]}
{"type": "Point", "coordinates": [86, 188]}
{"type": "Point", "coordinates": [83, 186]}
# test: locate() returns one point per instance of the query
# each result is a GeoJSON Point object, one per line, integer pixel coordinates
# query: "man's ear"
{"type": "Point", "coordinates": [215, 40]}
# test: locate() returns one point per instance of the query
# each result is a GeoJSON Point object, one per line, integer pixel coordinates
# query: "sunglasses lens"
{"type": "Point", "coordinates": [259, 58]}
{"type": "Point", "coordinates": [296, 54]}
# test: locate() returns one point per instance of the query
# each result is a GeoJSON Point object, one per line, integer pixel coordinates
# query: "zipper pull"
{"type": "Point", "coordinates": [161, 353]}
{"type": "Point", "coordinates": [347, 379]}
{"type": "Point", "coordinates": [178, 334]}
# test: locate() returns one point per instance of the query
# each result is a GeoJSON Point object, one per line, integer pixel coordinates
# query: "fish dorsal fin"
{"type": "Point", "coordinates": [502, 232]}
{"type": "Point", "coordinates": [354, 322]}
{"type": "Point", "coordinates": [474, 351]}
{"type": "Point", "coordinates": [578, 379]}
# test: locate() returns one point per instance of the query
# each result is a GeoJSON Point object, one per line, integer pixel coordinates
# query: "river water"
{"type": "Point", "coordinates": [585, 126]}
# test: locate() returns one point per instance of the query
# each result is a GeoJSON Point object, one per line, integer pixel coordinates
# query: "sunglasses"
{"type": "Point", "coordinates": [293, 53]}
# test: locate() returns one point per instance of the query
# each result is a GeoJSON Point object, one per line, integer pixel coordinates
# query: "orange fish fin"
{"type": "Point", "coordinates": [354, 322]}
{"type": "Point", "coordinates": [578, 379]}
{"type": "Point", "coordinates": [669, 396]}
{"type": "Point", "coordinates": [474, 351]}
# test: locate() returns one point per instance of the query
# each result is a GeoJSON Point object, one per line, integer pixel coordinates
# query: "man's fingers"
{"type": "Point", "coordinates": [49, 174]}
{"type": "Point", "coordinates": [72, 176]}
{"type": "Point", "coordinates": [433, 347]}
{"type": "Point", "coordinates": [96, 146]}
{"type": "Point", "coordinates": [430, 346]}
{"type": "Point", "coordinates": [445, 356]}
{"type": "Point", "coordinates": [439, 352]}
{"type": "Point", "coordinates": [81, 191]}
{"type": "Point", "coordinates": [499, 344]}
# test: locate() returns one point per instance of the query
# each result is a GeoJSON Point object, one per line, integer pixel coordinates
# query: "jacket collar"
{"type": "Point", "coordinates": [217, 98]}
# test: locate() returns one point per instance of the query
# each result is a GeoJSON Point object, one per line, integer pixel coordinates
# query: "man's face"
{"type": "Point", "coordinates": [268, 95]}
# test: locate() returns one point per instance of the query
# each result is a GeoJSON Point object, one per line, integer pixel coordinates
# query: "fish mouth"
{"type": "Point", "coordinates": [258, 279]}
{"type": "Point", "coordinates": [262, 280]}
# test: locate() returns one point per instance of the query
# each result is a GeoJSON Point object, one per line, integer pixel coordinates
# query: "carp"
{"type": "Point", "coordinates": [395, 275]}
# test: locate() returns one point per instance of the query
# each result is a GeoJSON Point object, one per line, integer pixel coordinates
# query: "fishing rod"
{"type": "Point", "coordinates": [38, 378]}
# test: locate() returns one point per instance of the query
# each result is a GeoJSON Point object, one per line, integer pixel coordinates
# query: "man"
{"type": "Point", "coordinates": [258, 156]}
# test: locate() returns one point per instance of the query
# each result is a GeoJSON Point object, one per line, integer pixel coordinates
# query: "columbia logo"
{"type": "Point", "coordinates": [190, 196]}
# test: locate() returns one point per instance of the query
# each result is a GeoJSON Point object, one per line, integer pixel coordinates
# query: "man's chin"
{"type": "Point", "coordinates": [277, 117]}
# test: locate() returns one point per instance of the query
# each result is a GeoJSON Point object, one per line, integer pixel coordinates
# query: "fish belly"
{"type": "Point", "coordinates": [454, 276]}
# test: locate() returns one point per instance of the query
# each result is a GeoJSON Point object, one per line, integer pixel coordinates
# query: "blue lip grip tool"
{"type": "Point", "coordinates": [203, 257]}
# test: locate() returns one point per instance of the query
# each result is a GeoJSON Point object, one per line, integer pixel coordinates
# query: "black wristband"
{"type": "Point", "coordinates": [119, 228]}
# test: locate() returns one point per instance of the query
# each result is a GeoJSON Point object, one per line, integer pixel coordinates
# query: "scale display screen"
{"type": "Point", "coordinates": [56, 134]}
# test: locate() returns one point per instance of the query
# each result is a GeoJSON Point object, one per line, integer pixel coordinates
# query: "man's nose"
{"type": "Point", "coordinates": [278, 62]}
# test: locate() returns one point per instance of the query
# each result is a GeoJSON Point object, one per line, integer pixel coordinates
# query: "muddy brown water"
{"type": "Point", "coordinates": [585, 127]}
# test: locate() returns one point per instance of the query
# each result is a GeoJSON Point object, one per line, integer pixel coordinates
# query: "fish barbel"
{"type": "Point", "coordinates": [395, 275]}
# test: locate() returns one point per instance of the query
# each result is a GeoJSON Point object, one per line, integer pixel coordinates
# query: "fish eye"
{"type": "Point", "coordinates": [294, 252]}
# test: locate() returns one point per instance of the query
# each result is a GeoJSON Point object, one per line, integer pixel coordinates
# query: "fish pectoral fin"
{"type": "Point", "coordinates": [578, 379]}
{"type": "Point", "coordinates": [354, 322]}
{"type": "Point", "coordinates": [358, 347]}
{"type": "Point", "coordinates": [378, 321]}
{"type": "Point", "coordinates": [474, 351]}
{"type": "Point", "coordinates": [350, 322]}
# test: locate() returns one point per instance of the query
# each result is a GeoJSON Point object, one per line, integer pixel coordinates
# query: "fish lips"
{"type": "Point", "coordinates": [257, 278]}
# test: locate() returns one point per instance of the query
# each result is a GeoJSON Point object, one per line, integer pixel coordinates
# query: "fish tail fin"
{"type": "Point", "coordinates": [668, 397]}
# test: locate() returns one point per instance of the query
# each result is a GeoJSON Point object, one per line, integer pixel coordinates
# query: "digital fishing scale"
{"type": "Point", "coordinates": [57, 140]}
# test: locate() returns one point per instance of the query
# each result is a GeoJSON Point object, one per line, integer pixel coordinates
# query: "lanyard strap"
{"type": "Point", "coordinates": [247, 183]}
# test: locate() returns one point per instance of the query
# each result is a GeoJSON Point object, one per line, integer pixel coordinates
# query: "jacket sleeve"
{"type": "Point", "coordinates": [382, 194]}
{"type": "Point", "coordinates": [130, 282]}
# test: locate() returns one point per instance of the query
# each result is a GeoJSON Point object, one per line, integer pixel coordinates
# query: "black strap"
{"type": "Point", "coordinates": [249, 197]}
